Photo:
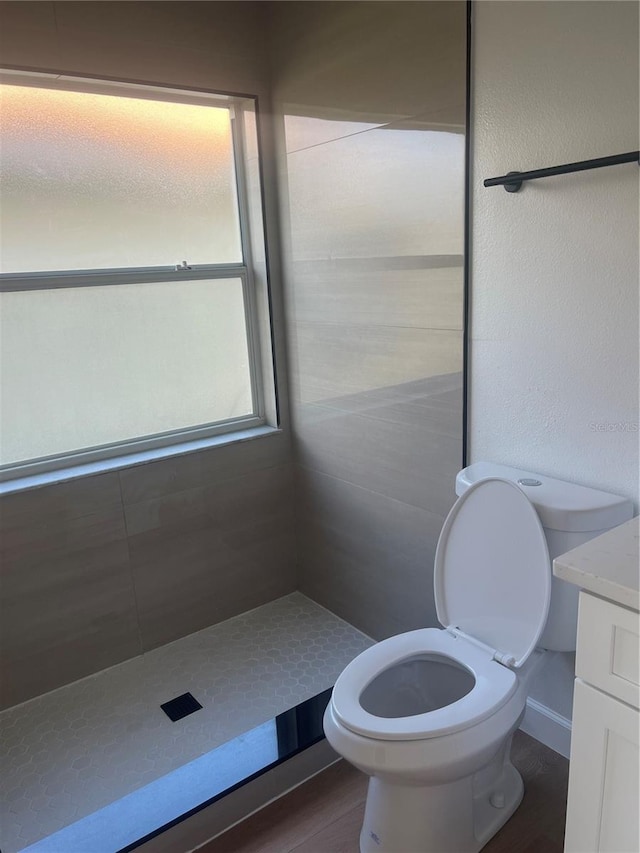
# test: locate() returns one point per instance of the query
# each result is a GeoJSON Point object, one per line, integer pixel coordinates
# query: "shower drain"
{"type": "Point", "coordinates": [180, 707]}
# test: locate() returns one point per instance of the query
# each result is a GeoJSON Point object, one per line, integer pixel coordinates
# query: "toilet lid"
{"type": "Point", "coordinates": [492, 576]}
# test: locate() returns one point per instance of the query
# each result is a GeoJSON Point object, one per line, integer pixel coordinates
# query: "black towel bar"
{"type": "Point", "coordinates": [512, 181]}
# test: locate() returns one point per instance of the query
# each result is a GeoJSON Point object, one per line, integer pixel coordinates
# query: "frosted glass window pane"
{"type": "Point", "coordinates": [92, 181]}
{"type": "Point", "coordinates": [88, 366]}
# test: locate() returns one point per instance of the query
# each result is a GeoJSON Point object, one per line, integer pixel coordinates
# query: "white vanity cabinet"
{"type": "Point", "coordinates": [604, 796]}
{"type": "Point", "coordinates": [602, 811]}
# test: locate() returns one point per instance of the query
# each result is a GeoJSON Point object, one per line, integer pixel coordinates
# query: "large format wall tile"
{"type": "Point", "coordinates": [435, 404]}
{"type": "Point", "coordinates": [386, 192]}
{"type": "Point", "coordinates": [363, 547]}
{"type": "Point", "coordinates": [211, 535]}
{"type": "Point", "coordinates": [402, 461]}
{"type": "Point", "coordinates": [334, 359]}
{"type": "Point", "coordinates": [50, 507]}
{"type": "Point", "coordinates": [66, 594]}
{"type": "Point", "coordinates": [64, 618]}
{"type": "Point", "coordinates": [177, 473]}
{"type": "Point", "coordinates": [402, 292]}
{"type": "Point", "coordinates": [210, 552]}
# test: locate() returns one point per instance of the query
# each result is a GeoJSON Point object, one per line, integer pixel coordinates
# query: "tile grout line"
{"type": "Point", "coordinates": [130, 567]}
{"type": "Point", "coordinates": [374, 491]}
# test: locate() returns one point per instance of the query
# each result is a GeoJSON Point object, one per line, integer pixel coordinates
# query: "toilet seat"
{"type": "Point", "coordinates": [492, 585]}
{"type": "Point", "coordinates": [492, 578]}
{"type": "Point", "coordinates": [494, 685]}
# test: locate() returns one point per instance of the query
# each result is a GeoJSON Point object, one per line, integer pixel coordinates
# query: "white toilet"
{"type": "Point", "coordinates": [429, 715]}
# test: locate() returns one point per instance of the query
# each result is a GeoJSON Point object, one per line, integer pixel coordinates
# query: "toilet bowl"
{"type": "Point", "coordinates": [429, 714]}
{"type": "Point", "coordinates": [421, 684]}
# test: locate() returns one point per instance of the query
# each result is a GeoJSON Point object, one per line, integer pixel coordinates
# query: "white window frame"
{"type": "Point", "coordinates": [258, 328]}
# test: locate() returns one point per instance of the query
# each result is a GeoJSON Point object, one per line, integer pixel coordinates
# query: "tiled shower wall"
{"type": "Point", "coordinates": [99, 569]}
{"type": "Point", "coordinates": [371, 103]}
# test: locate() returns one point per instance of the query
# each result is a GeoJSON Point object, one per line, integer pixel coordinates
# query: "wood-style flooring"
{"type": "Point", "coordinates": [325, 814]}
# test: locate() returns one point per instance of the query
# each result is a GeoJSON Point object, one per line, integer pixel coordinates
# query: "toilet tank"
{"type": "Point", "coordinates": [570, 515]}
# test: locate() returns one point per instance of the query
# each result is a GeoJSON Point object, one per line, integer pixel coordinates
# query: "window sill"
{"type": "Point", "coordinates": [117, 463]}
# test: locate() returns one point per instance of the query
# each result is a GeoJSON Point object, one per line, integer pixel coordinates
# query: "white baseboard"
{"type": "Point", "coordinates": [547, 726]}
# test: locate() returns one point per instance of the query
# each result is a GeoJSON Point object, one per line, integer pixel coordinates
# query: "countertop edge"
{"type": "Point", "coordinates": [598, 585]}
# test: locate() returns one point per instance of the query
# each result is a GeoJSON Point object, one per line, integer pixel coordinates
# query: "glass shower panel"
{"type": "Point", "coordinates": [374, 192]}
{"type": "Point", "coordinates": [376, 253]}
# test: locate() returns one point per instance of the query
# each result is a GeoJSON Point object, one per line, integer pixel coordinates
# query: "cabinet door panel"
{"type": "Point", "coordinates": [602, 812]}
{"type": "Point", "coordinates": [607, 657]}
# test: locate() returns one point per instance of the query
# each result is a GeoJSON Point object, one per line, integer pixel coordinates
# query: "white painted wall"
{"type": "Point", "coordinates": [554, 306]}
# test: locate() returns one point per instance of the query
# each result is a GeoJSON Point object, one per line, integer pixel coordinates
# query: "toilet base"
{"type": "Point", "coordinates": [457, 817]}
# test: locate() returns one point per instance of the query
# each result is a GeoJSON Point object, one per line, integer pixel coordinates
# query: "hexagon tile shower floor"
{"type": "Point", "coordinates": [71, 752]}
